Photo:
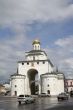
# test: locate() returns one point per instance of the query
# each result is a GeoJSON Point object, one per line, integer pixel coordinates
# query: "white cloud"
{"type": "Point", "coordinates": [62, 55]}
{"type": "Point", "coordinates": [26, 11]}
{"type": "Point", "coordinates": [65, 42]}
{"type": "Point", "coordinates": [69, 62]}
{"type": "Point", "coordinates": [12, 50]}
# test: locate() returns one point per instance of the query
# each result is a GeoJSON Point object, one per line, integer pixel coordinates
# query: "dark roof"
{"type": "Point", "coordinates": [36, 51]}
{"type": "Point", "coordinates": [30, 54]}
{"type": "Point", "coordinates": [15, 74]}
{"type": "Point", "coordinates": [53, 73]}
{"type": "Point", "coordinates": [49, 74]}
{"type": "Point", "coordinates": [32, 51]}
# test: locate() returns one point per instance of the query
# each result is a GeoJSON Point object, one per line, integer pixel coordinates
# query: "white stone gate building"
{"type": "Point", "coordinates": [36, 75]}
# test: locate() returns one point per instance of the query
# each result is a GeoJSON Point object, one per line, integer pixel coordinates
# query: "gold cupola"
{"type": "Point", "coordinates": [36, 44]}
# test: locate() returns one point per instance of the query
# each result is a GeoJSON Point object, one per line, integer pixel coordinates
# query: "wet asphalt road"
{"type": "Point", "coordinates": [7, 103]}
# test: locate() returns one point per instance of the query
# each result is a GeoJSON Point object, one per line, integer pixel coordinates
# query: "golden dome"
{"type": "Point", "coordinates": [36, 42]}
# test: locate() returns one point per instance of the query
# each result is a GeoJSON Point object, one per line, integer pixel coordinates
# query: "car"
{"type": "Point", "coordinates": [62, 96]}
{"type": "Point", "coordinates": [44, 95]}
{"type": "Point", "coordinates": [25, 99]}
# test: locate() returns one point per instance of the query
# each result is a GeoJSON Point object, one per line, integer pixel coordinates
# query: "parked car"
{"type": "Point", "coordinates": [25, 99]}
{"type": "Point", "coordinates": [44, 95]}
{"type": "Point", "coordinates": [71, 93]}
{"type": "Point", "coordinates": [62, 96]}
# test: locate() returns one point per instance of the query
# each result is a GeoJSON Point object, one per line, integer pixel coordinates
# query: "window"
{"type": "Point", "coordinates": [22, 63]}
{"type": "Point", "coordinates": [27, 63]}
{"type": "Point", "coordinates": [71, 83]}
{"type": "Point", "coordinates": [43, 62]}
{"type": "Point", "coordinates": [48, 85]}
{"type": "Point", "coordinates": [15, 92]}
{"type": "Point", "coordinates": [33, 57]}
{"type": "Point", "coordinates": [48, 91]}
{"type": "Point", "coordinates": [15, 85]}
{"type": "Point", "coordinates": [21, 95]}
{"type": "Point", "coordinates": [35, 47]}
{"type": "Point", "coordinates": [37, 62]}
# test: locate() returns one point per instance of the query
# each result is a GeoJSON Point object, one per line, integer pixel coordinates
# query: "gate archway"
{"type": "Point", "coordinates": [33, 81]}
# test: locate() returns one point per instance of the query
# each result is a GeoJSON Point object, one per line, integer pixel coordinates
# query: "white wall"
{"type": "Point", "coordinates": [17, 84]}
{"type": "Point", "coordinates": [56, 85]}
{"type": "Point", "coordinates": [41, 68]}
{"type": "Point", "coordinates": [49, 83]}
{"type": "Point", "coordinates": [60, 86]}
{"type": "Point", "coordinates": [36, 57]}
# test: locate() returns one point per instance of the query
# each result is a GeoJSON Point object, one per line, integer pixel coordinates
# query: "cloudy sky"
{"type": "Point", "coordinates": [22, 21]}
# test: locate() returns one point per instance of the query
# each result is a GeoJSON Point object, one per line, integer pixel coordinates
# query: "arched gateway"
{"type": "Point", "coordinates": [33, 81]}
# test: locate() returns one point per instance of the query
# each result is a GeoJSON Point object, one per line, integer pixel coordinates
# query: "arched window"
{"type": "Point", "coordinates": [48, 91]}
{"type": "Point", "coordinates": [22, 63]}
{"type": "Point", "coordinates": [35, 47]}
{"type": "Point", "coordinates": [15, 92]}
{"type": "Point", "coordinates": [15, 85]}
